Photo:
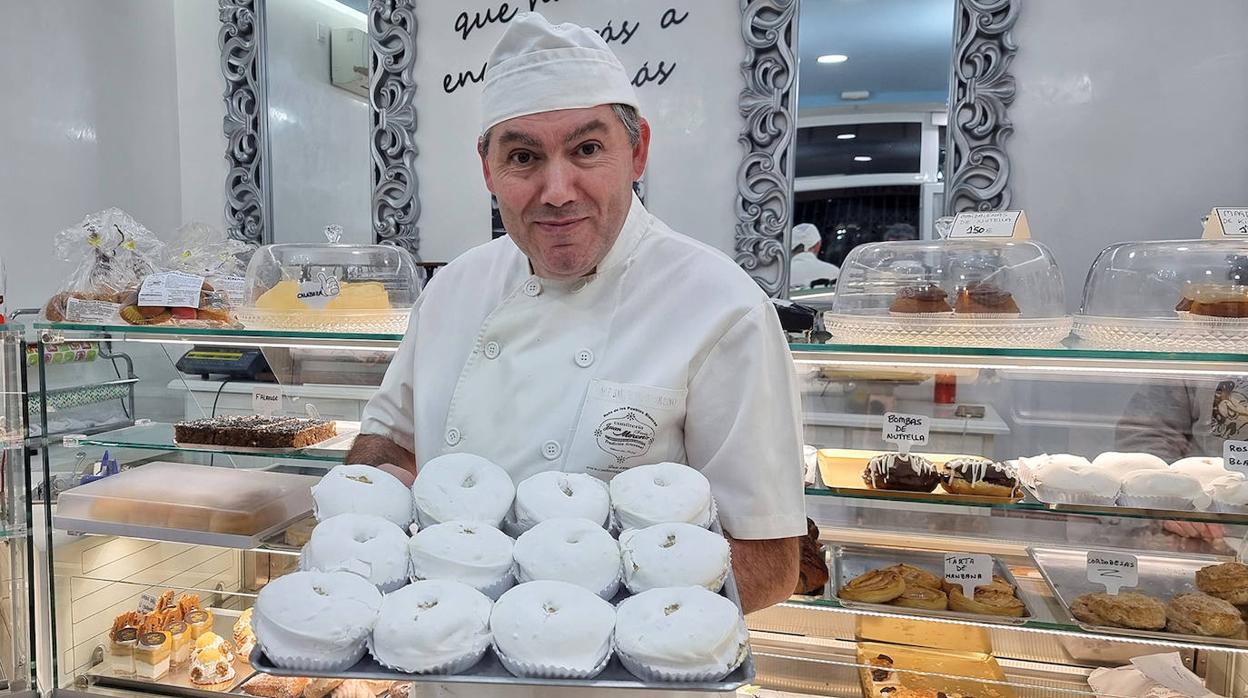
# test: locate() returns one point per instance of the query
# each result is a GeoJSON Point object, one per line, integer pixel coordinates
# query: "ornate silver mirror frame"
{"type": "Point", "coordinates": [248, 209]}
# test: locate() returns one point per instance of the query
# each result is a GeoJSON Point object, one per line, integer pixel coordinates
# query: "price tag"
{"type": "Point", "coordinates": [968, 571]}
{"type": "Point", "coordinates": [1235, 456]}
{"type": "Point", "coordinates": [173, 289]}
{"type": "Point", "coordinates": [234, 288]}
{"type": "Point", "coordinates": [1168, 670]}
{"type": "Point", "coordinates": [147, 603]}
{"type": "Point", "coordinates": [989, 224]}
{"type": "Point", "coordinates": [906, 430]}
{"type": "Point", "coordinates": [1234, 221]}
{"type": "Point", "coordinates": [266, 400]}
{"type": "Point", "coordinates": [79, 310]}
{"type": "Point", "coordinates": [1113, 570]}
{"type": "Point", "coordinates": [318, 292]}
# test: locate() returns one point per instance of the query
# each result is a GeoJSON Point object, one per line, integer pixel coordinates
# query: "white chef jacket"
{"type": "Point", "coordinates": [668, 352]}
{"type": "Point", "coordinates": [805, 268]}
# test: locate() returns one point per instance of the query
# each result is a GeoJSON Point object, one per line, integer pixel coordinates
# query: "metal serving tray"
{"type": "Point", "coordinates": [1161, 576]}
{"type": "Point", "coordinates": [490, 671]}
{"type": "Point", "coordinates": [849, 561]}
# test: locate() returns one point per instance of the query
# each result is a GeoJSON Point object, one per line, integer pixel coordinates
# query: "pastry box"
{"type": "Point", "coordinates": [1161, 576]}
{"type": "Point", "coordinates": [851, 561]}
{"type": "Point", "coordinates": [841, 470]}
{"type": "Point", "coordinates": [184, 503]}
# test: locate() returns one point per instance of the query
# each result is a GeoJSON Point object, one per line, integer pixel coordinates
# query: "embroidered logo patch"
{"type": "Point", "coordinates": [626, 432]}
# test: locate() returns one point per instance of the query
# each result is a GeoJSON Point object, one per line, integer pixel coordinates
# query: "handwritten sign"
{"type": "Point", "coordinates": [906, 430]}
{"type": "Point", "coordinates": [1234, 221]}
{"type": "Point", "coordinates": [968, 570]}
{"type": "Point", "coordinates": [1235, 456]}
{"type": "Point", "coordinates": [1168, 670]}
{"type": "Point", "coordinates": [987, 224]}
{"type": "Point", "coordinates": [1114, 571]}
{"type": "Point", "coordinates": [147, 603]}
{"type": "Point", "coordinates": [266, 400]}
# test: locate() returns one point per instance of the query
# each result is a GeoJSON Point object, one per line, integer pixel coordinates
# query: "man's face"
{"type": "Point", "coordinates": [564, 180]}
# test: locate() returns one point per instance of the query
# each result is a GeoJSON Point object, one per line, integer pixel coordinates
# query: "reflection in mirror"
{"type": "Point", "coordinates": [872, 107]}
{"type": "Point", "coordinates": [316, 72]}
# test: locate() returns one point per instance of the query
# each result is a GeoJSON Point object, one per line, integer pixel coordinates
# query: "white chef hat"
{"type": "Point", "coordinates": [806, 235]}
{"type": "Point", "coordinates": [538, 67]}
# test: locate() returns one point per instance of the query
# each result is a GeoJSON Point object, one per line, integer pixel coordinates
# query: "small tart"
{"type": "Point", "coordinates": [989, 602]}
{"type": "Point", "coordinates": [876, 586]}
{"type": "Point", "coordinates": [1227, 581]}
{"type": "Point", "coordinates": [922, 597]}
{"type": "Point", "coordinates": [915, 576]}
{"type": "Point", "coordinates": [1194, 613]}
{"type": "Point", "coordinates": [1126, 610]}
{"type": "Point", "coordinates": [998, 583]}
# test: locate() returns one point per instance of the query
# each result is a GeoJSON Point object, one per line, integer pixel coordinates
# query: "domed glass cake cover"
{"type": "Point", "coordinates": [973, 292]}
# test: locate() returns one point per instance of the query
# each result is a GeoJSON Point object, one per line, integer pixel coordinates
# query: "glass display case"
{"type": "Point", "coordinates": [1005, 589]}
{"type": "Point", "coordinates": [16, 589]}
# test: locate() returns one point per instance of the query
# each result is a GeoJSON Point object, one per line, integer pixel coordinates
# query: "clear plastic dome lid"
{"type": "Point", "coordinates": [330, 287]}
{"type": "Point", "coordinates": [1171, 295]}
{"type": "Point", "coordinates": [963, 292]}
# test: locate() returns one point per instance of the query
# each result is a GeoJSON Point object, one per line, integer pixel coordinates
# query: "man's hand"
{"type": "Point", "coordinates": [766, 570]}
{"type": "Point", "coordinates": [371, 449]}
{"type": "Point", "coordinates": [1192, 529]}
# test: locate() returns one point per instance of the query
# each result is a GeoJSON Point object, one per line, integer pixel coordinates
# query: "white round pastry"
{"type": "Point", "coordinates": [552, 629]}
{"type": "Point", "coordinates": [1067, 481]}
{"type": "Point", "coordinates": [462, 487]}
{"type": "Point", "coordinates": [661, 493]}
{"type": "Point", "coordinates": [1123, 464]}
{"type": "Point", "coordinates": [315, 621]}
{"type": "Point", "coordinates": [558, 495]}
{"type": "Point", "coordinates": [674, 555]}
{"type": "Point", "coordinates": [680, 634]}
{"type": "Point", "coordinates": [1202, 468]}
{"type": "Point", "coordinates": [1162, 489]}
{"type": "Point", "coordinates": [577, 551]}
{"type": "Point", "coordinates": [432, 627]}
{"type": "Point", "coordinates": [1229, 493]}
{"type": "Point", "coordinates": [362, 489]}
{"type": "Point", "coordinates": [370, 546]}
{"type": "Point", "coordinates": [472, 552]}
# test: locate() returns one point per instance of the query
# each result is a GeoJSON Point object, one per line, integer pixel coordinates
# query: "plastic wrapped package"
{"type": "Point", "coordinates": [111, 254]}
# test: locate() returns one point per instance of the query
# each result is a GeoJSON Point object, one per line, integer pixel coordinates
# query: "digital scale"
{"type": "Point", "coordinates": [239, 363]}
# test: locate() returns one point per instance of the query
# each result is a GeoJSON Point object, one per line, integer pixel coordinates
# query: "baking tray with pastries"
{"type": "Point", "coordinates": [267, 686]}
{"type": "Point", "coordinates": [964, 479]}
{"type": "Point", "coordinates": [912, 582]}
{"type": "Point", "coordinates": [1196, 597]}
{"type": "Point", "coordinates": [901, 671]}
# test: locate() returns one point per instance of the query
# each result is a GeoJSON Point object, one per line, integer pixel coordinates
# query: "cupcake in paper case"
{"type": "Point", "coordinates": [462, 487]}
{"type": "Point", "coordinates": [315, 621]}
{"type": "Point", "coordinates": [557, 495]}
{"type": "Point", "coordinates": [674, 555]}
{"type": "Point", "coordinates": [1069, 481]}
{"type": "Point", "coordinates": [370, 546]}
{"type": "Point", "coordinates": [362, 489]}
{"type": "Point", "coordinates": [432, 627]}
{"type": "Point", "coordinates": [1229, 494]}
{"type": "Point", "coordinates": [472, 552]}
{"type": "Point", "coordinates": [577, 551]}
{"type": "Point", "coordinates": [1162, 489]}
{"type": "Point", "coordinates": [550, 629]}
{"type": "Point", "coordinates": [661, 493]}
{"type": "Point", "coordinates": [680, 634]}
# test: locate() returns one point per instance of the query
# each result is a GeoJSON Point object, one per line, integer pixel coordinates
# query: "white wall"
{"type": "Point", "coordinates": [201, 108]}
{"type": "Point", "coordinates": [318, 133]}
{"type": "Point", "coordinates": [1132, 121]}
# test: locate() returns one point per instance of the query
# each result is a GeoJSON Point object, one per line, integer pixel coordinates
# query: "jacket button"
{"type": "Point", "coordinates": [584, 358]}
{"type": "Point", "coordinates": [532, 287]}
{"type": "Point", "coordinates": [453, 437]}
{"type": "Point", "coordinates": [551, 450]}
{"type": "Point", "coordinates": [492, 350]}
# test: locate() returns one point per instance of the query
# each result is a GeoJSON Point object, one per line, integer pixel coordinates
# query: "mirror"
{"type": "Point", "coordinates": [873, 96]}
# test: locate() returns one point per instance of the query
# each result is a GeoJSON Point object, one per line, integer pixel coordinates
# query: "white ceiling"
{"type": "Point", "coordinates": [900, 50]}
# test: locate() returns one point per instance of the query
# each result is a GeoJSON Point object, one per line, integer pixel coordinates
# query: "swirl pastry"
{"type": "Point", "coordinates": [989, 602]}
{"type": "Point", "coordinates": [922, 597]}
{"type": "Point", "coordinates": [876, 586]}
{"type": "Point", "coordinates": [915, 576]}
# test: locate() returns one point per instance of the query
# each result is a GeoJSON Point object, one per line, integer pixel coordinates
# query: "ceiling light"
{"type": "Point", "coordinates": [845, 136]}
{"type": "Point", "coordinates": [833, 58]}
{"type": "Point", "coordinates": [862, 158]}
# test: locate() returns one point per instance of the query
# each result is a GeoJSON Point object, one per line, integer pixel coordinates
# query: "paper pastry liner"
{"type": "Point", "coordinates": [1156, 502]}
{"type": "Point", "coordinates": [493, 590]}
{"type": "Point", "coordinates": [1053, 495]}
{"type": "Point", "coordinates": [384, 587]}
{"type": "Point", "coordinates": [455, 666]}
{"type": "Point", "coordinates": [651, 674]}
{"type": "Point", "coordinates": [344, 659]}
{"type": "Point", "coordinates": [550, 671]}
{"type": "Point", "coordinates": [1224, 508]}
{"type": "Point", "coordinates": [942, 314]}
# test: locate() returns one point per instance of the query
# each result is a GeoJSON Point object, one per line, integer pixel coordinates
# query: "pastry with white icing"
{"type": "Point", "coordinates": [901, 471]}
{"type": "Point", "coordinates": [577, 551]}
{"type": "Point", "coordinates": [1202, 468]}
{"type": "Point", "coordinates": [1073, 480]}
{"type": "Point", "coordinates": [362, 489]}
{"type": "Point", "coordinates": [674, 555]}
{"type": "Point", "coordinates": [471, 552]}
{"type": "Point", "coordinates": [558, 495]}
{"type": "Point", "coordinates": [1162, 489]}
{"type": "Point", "coordinates": [980, 476]}
{"type": "Point", "coordinates": [1123, 464]}
{"type": "Point", "coordinates": [661, 493]}
{"type": "Point", "coordinates": [462, 487]}
{"type": "Point", "coordinates": [552, 629]}
{"type": "Point", "coordinates": [370, 546]}
{"type": "Point", "coordinates": [1229, 494]}
{"type": "Point", "coordinates": [315, 621]}
{"type": "Point", "coordinates": [680, 634]}
{"type": "Point", "coordinates": [432, 627]}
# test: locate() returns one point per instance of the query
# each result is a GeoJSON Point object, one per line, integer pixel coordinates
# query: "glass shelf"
{"type": "Point", "coordinates": [158, 436]}
{"type": "Point", "coordinates": [220, 336]}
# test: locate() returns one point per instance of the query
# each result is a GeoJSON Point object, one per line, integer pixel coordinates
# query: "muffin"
{"type": "Point", "coordinates": [674, 555]}
{"type": "Point", "coordinates": [985, 298]}
{"type": "Point", "coordinates": [1162, 489]}
{"type": "Point", "coordinates": [926, 298]}
{"type": "Point", "coordinates": [901, 471]}
{"type": "Point", "coordinates": [661, 493]}
{"type": "Point", "coordinates": [557, 495]}
{"type": "Point", "coordinates": [315, 621]}
{"type": "Point", "coordinates": [362, 489]}
{"type": "Point", "coordinates": [1125, 610]}
{"type": "Point", "coordinates": [979, 476]}
{"type": "Point", "coordinates": [1201, 614]}
{"type": "Point", "coordinates": [576, 551]}
{"type": "Point", "coordinates": [680, 634]}
{"type": "Point", "coordinates": [370, 546]}
{"type": "Point", "coordinates": [471, 552]}
{"type": "Point", "coordinates": [462, 487]}
{"type": "Point", "coordinates": [1227, 581]}
{"type": "Point", "coordinates": [552, 629]}
{"type": "Point", "coordinates": [432, 627]}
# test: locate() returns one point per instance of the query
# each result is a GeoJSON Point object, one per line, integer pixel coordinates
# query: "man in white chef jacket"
{"type": "Point", "coordinates": [805, 267]}
{"type": "Point", "coordinates": [593, 338]}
